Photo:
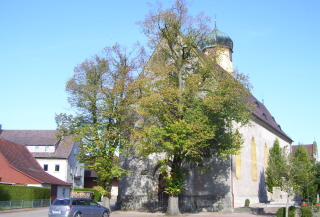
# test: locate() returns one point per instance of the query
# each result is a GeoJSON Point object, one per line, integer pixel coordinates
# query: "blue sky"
{"type": "Point", "coordinates": [276, 43]}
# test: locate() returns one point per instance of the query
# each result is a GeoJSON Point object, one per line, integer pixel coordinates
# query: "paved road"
{"type": "Point", "coordinates": [43, 212]}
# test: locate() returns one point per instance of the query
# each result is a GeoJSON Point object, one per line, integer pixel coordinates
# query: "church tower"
{"type": "Point", "coordinates": [219, 44]}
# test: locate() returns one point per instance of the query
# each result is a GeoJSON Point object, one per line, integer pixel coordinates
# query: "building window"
{"type": "Point", "coordinates": [238, 166]}
{"type": "Point", "coordinates": [266, 156]}
{"type": "Point", "coordinates": [36, 149]}
{"type": "Point", "coordinates": [257, 104]}
{"type": "Point", "coordinates": [254, 160]}
{"type": "Point", "coordinates": [46, 148]}
{"type": "Point", "coordinates": [57, 167]}
{"type": "Point", "coordinates": [264, 116]}
{"type": "Point", "coordinates": [45, 167]}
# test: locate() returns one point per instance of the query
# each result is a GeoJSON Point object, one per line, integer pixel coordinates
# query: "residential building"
{"type": "Point", "coordinates": [57, 157]}
{"type": "Point", "coordinates": [312, 150]}
{"type": "Point", "coordinates": [18, 166]}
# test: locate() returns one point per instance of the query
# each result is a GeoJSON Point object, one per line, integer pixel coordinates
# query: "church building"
{"type": "Point", "coordinates": [232, 180]}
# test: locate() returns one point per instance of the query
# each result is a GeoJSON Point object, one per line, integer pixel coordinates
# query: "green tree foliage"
{"type": "Point", "coordinates": [294, 173]}
{"type": "Point", "coordinates": [98, 93]}
{"type": "Point", "coordinates": [276, 167]}
{"type": "Point", "coordinates": [187, 105]}
{"type": "Point", "coordinates": [317, 176]}
{"type": "Point", "coordinates": [303, 173]}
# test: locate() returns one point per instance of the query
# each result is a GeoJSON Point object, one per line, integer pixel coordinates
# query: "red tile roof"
{"type": "Point", "coordinates": [19, 158]}
{"type": "Point", "coordinates": [309, 147]}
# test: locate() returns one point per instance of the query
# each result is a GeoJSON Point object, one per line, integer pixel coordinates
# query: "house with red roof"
{"type": "Point", "coordinates": [18, 166]}
{"type": "Point", "coordinates": [58, 157]}
{"type": "Point", "coordinates": [312, 150]}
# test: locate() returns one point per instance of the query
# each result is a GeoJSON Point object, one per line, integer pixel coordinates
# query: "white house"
{"type": "Point", "coordinates": [18, 166]}
{"type": "Point", "coordinates": [57, 157]}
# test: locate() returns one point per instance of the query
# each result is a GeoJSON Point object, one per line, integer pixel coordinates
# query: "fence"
{"type": "Point", "coordinates": [15, 204]}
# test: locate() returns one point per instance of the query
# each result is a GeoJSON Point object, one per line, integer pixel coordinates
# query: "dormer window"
{"type": "Point", "coordinates": [279, 128]}
{"type": "Point", "coordinates": [264, 116]}
{"type": "Point", "coordinates": [257, 104]}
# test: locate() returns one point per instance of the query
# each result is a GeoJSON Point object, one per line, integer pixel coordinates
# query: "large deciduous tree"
{"type": "Point", "coordinates": [98, 93]}
{"type": "Point", "coordinates": [188, 106]}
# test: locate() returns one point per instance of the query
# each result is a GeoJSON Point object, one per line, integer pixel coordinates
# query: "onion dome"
{"type": "Point", "coordinates": [216, 38]}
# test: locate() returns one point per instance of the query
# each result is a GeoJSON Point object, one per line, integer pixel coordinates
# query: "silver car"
{"type": "Point", "coordinates": [77, 207]}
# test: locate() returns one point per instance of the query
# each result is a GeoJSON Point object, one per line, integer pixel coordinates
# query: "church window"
{"type": "Point", "coordinates": [238, 166]}
{"type": "Point", "coordinates": [254, 160]}
{"type": "Point", "coordinates": [266, 156]}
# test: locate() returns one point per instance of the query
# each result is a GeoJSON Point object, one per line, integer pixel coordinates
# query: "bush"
{"type": "Point", "coordinates": [11, 192]}
{"type": "Point", "coordinates": [282, 212]}
{"type": "Point", "coordinates": [305, 212]}
{"type": "Point", "coordinates": [96, 193]}
{"type": "Point", "coordinates": [316, 207]}
{"type": "Point", "coordinates": [247, 203]}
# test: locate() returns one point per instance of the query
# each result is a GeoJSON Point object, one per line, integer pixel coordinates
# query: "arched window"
{"type": "Point", "coordinates": [238, 165]}
{"type": "Point", "coordinates": [254, 160]}
{"type": "Point", "coordinates": [266, 156]}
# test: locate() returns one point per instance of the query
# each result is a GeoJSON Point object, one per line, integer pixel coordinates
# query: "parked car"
{"type": "Point", "coordinates": [77, 207]}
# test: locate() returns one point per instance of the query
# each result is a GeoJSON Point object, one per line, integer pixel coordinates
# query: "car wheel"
{"type": "Point", "coordinates": [105, 214]}
{"type": "Point", "coordinates": [78, 214]}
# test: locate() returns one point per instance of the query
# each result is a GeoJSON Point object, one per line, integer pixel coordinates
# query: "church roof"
{"type": "Point", "coordinates": [217, 38]}
{"type": "Point", "coordinates": [261, 112]}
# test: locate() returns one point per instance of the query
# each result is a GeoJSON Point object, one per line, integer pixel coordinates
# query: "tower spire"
{"type": "Point", "coordinates": [215, 21]}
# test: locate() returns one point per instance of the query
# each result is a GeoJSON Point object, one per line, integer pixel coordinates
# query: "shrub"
{"type": "Point", "coordinates": [282, 212]}
{"type": "Point", "coordinates": [10, 192]}
{"type": "Point", "coordinates": [247, 203]}
{"type": "Point", "coordinates": [305, 212]}
{"type": "Point", "coordinates": [316, 207]}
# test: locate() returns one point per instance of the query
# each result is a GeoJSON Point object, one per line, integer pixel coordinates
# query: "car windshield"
{"type": "Point", "coordinates": [61, 202]}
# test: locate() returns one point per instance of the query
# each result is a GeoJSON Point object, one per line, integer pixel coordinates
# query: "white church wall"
{"type": "Point", "coordinates": [245, 187]}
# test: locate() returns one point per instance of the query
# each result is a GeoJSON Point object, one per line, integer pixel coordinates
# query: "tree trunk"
{"type": "Point", "coordinates": [287, 205]}
{"type": "Point", "coordinates": [173, 206]}
{"type": "Point", "coordinates": [106, 201]}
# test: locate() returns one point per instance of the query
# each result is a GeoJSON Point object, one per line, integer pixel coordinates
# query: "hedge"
{"type": "Point", "coordinates": [11, 192]}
